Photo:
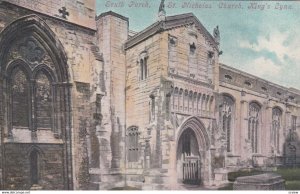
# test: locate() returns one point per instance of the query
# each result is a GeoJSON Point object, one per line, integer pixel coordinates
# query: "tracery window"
{"type": "Point", "coordinates": [226, 115]}
{"type": "Point", "coordinates": [31, 100]}
{"type": "Point", "coordinates": [276, 125]}
{"type": "Point", "coordinates": [253, 125]}
{"type": "Point", "coordinates": [133, 144]}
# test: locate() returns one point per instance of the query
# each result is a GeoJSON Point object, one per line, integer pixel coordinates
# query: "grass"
{"type": "Point", "coordinates": [292, 185]}
{"type": "Point", "coordinates": [125, 188]}
{"type": "Point", "coordinates": [227, 187]}
{"type": "Point", "coordinates": [290, 175]}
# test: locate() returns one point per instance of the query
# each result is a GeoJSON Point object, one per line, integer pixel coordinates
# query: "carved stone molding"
{"type": "Point", "coordinates": [31, 51]}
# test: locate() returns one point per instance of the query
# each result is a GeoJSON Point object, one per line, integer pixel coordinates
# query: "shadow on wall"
{"type": "Point", "coordinates": [291, 150]}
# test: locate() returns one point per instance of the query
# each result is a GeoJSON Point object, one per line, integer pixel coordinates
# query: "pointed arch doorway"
{"type": "Point", "coordinates": [192, 146]}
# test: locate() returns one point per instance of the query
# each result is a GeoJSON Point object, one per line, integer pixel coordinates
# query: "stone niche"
{"type": "Point", "coordinates": [267, 181]}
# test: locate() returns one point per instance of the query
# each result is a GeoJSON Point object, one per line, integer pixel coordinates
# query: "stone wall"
{"type": "Point", "coordinates": [193, 97]}
{"type": "Point", "coordinates": [112, 34]}
{"type": "Point", "coordinates": [51, 167]}
{"type": "Point", "coordinates": [84, 68]}
{"type": "Point", "coordinates": [138, 91]}
{"type": "Point", "coordinates": [81, 12]}
{"type": "Point", "coordinates": [150, 101]}
{"type": "Point", "coordinates": [234, 83]}
{"type": "Point", "coordinates": [182, 58]}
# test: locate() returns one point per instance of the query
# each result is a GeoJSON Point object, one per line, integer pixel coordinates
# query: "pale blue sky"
{"type": "Point", "coordinates": [264, 42]}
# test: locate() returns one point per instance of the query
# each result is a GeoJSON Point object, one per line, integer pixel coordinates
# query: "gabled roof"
{"type": "Point", "coordinates": [169, 23]}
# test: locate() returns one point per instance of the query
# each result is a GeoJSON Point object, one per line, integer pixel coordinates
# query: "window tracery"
{"type": "Point", "coordinates": [253, 125]}
{"type": "Point", "coordinates": [226, 115]}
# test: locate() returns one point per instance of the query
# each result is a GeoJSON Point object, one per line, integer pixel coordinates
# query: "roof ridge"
{"type": "Point", "coordinates": [169, 23]}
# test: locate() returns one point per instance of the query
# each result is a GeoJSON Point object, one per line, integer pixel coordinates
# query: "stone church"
{"type": "Point", "coordinates": [88, 104]}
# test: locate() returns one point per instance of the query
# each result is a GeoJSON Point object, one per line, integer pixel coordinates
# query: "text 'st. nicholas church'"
{"type": "Point", "coordinates": [88, 104]}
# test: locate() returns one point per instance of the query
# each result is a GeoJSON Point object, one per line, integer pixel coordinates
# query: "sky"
{"type": "Point", "coordinates": [256, 36]}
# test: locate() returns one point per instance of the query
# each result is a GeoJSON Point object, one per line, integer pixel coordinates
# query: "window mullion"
{"type": "Point", "coordinates": [32, 105]}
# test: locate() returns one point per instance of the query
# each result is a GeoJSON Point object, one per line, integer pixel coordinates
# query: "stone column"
{"type": "Point", "coordinates": [287, 124]}
{"type": "Point", "coordinates": [244, 129]}
{"type": "Point", "coordinates": [198, 103]}
{"type": "Point", "coordinates": [66, 93]}
{"type": "Point", "coordinates": [267, 139]}
{"type": "Point", "coordinates": [32, 119]}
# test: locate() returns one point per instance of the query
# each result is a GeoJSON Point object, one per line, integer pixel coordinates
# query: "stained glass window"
{"type": "Point", "coordinates": [43, 99]}
{"type": "Point", "coordinates": [20, 99]}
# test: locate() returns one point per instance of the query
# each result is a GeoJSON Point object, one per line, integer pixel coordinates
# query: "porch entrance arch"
{"type": "Point", "coordinates": [192, 146]}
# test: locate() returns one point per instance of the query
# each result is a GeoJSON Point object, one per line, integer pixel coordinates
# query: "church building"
{"type": "Point", "coordinates": [88, 104]}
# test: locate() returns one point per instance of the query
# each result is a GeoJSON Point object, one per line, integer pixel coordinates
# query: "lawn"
{"type": "Point", "coordinates": [125, 188]}
{"type": "Point", "coordinates": [290, 175]}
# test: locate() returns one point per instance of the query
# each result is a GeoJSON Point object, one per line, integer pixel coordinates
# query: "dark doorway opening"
{"type": "Point", "coordinates": [34, 155]}
{"type": "Point", "coordinates": [189, 158]}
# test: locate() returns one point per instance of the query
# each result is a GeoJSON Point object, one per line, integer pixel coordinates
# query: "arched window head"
{"type": "Point", "coordinates": [192, 48]}
{"type": "Point", "coordinates": [20, 95]}
{"type": "Point", "coordinates": [254, 125]}
{"type": "Point", "coordinates": [254, 110]}
{"type": "Point", "coordinates": [276, 114]}
{"type": "Point", "coordinates": [143, 65]}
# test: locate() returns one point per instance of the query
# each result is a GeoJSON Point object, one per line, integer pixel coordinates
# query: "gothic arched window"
{"type": "Point", "coordinates": [43, 99]}
{"type": "Point", "coordinates": [226, 115]}
{"type": "Point", "coordinates": [20, 95]}
{"type": "Point", "coordinates": [31, 101]}
{"type": "Point", "coordinates": [253, 125]}
{"type": "Point", "coordinates": [143, 66]}
{"type": "Point", "coordinates": [133, 144]}
{"type": "Point", "coordinates": [142, 69]}
{"type": "Point", "coordinates": [276, 125]}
